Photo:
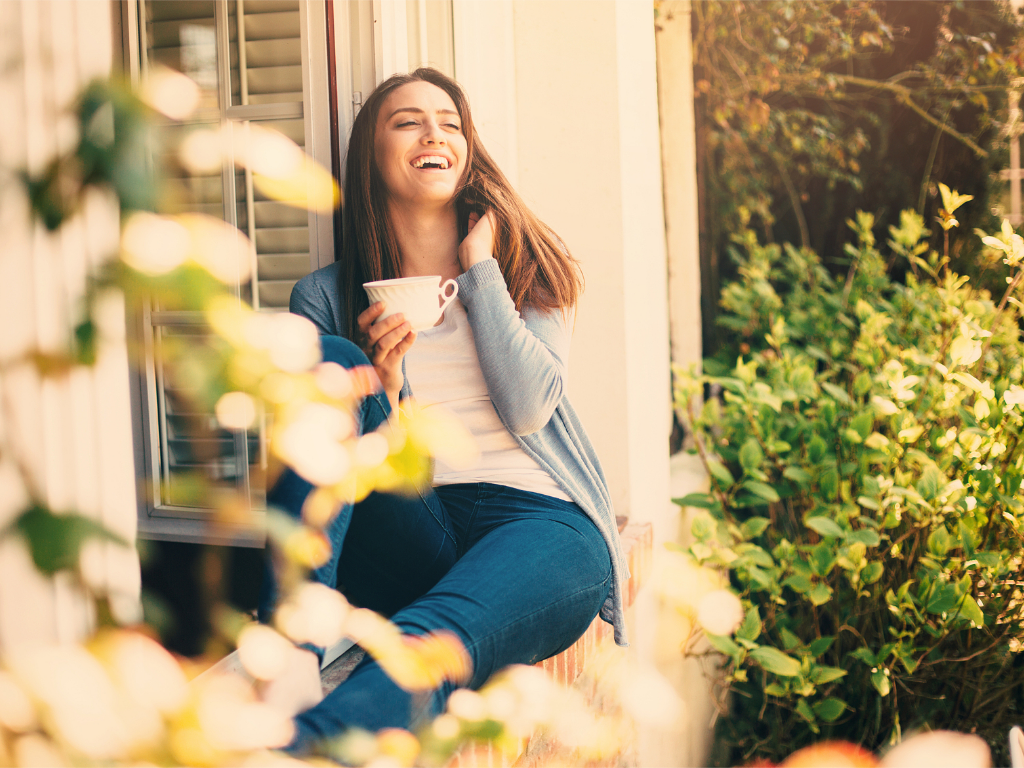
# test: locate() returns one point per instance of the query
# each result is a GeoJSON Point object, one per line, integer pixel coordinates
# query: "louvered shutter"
{"type": "Point", "coordinates": [247, 57]}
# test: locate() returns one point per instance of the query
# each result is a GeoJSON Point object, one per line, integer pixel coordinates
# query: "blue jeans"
{"type": "Point", "coordinates": [517, 576]}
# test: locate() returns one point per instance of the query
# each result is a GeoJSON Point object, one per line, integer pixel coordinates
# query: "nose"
{"type": "Point", "coordinates": [433, 135]}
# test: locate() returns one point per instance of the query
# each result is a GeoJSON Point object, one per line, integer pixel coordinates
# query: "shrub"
{"type": "Point", "coordinates": [865, 461]}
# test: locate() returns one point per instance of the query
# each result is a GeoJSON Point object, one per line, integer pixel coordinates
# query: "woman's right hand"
{"type": "Point", "coordinates": [386, 343]}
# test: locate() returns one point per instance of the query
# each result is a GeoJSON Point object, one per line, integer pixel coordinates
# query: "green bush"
{"type": "Point", "coordinates": [865, 460]}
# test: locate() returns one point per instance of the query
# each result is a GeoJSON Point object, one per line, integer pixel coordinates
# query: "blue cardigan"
{"type": "Point", "coordinates": [524, 361]}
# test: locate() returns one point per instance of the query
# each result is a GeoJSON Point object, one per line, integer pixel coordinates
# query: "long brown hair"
{"type": "Point", "coordinates": [538, 269]}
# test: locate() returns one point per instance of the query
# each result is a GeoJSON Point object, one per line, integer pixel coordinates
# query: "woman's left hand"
{"type": "Point", "coordinates": [479, 243]}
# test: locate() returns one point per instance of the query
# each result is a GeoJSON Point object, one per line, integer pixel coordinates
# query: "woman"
{"type": "Point", "coordinates": [517, 555]}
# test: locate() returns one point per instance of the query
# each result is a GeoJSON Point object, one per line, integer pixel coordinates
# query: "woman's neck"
{"type": "Point", "coordinates": [428, 241]}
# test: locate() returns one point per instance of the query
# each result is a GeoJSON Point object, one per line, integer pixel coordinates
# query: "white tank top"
{"type": "Point", "coordinates": [444, 372]}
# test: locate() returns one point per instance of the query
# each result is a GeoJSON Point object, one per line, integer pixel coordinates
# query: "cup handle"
{"type": "Point", "coordinates": [448, 298]}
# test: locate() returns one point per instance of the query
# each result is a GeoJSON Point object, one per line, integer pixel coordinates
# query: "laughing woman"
{"type": "Point", "coordinates": [517, 555]}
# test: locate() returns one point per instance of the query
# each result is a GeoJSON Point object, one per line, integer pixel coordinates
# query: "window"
{"type": "Point", "coordinates": [278, 64]}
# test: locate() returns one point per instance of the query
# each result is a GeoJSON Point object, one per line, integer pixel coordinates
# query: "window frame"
{"type": "Point", "coordinates": [158, 519]}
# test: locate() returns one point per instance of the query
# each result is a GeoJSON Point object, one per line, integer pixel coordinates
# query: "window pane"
{"type": "Point", "coordinates": [192, 445]}
{"type": "Point", "coordinates": [266, 51]}
{"type": "Point", "coordinates": [182, 35]}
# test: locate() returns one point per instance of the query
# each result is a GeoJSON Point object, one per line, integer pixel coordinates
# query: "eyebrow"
{"type": "Point", "coordinates": [420, 111]}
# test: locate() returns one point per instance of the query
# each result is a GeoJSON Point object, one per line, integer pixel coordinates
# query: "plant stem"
{"type": "Point", "coordinates": [1002, 305]}
{"type": "Point", "coordinates": [794, 201]}
{"type": "Point", "coordinates": [928, 169]}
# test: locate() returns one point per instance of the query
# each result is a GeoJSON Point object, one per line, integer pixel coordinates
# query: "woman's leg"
{"type": "Point", "coordinates": [534, 574]}
{"type": "Point", "coordinates": [393, 547]}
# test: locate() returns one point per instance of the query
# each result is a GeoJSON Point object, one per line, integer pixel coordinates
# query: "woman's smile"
{"type": "Point", "coordinates": [421, 150]}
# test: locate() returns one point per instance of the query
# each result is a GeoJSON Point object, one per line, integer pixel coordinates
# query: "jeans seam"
{"type": "Point", "coordinates": [462, 547]}
{"type": "Point", "coordinates": [447, 531]}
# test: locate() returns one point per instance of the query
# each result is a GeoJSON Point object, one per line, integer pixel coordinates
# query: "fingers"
{"type": "Point", "coordinates": [387, 343]}
{"type": "Point", "coordinates": [369, 315]}
{"type": "Point", "coordinates": [474, 217]}
{"type": "Point", "coordinates": [370, 332]}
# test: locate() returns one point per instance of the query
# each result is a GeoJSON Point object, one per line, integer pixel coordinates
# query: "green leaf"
{"type": "Point", "coordinates": [756, 555]}
{"type": "Point", "coordinates": [804, 710]}
{"type": "Point", "coordinates": [699, 500]}
{"type": "Point", "coordinates": [822, 559]}
{"type": "Point", "coordinates": [988, 559]}
{"type": "Point", "coordinates": [862, 383]}
{"type": "Point", "coordinates": [865, 536]}
{"type": "Point", "coordinates": [872, 572]}
{"type": "Point", "coordinates": [968, 535]}
{"type": "Point", "coordinates": [822, 644]}
{"type": "Point", "coordinates": [865, 655]}
{"type": "Point", "coordinates": [86, 339]}
{"type": "Point", "coordinates": [863, 423]}
{"type": "Point", "coordinates": [761, 578]}
{"type": "Point", "coordinates": [750, 629]}
{"type": "Point", "coordinates": [881, 682]}
{"type": "Point", "coordinates": [55, 541]}
{"type": "Point", "coordinates": [724, 645]}
{"type": "Point", "coordinates": [830, 709]}
{"type": "Point", "coordinates": [774, 689]}
{"type": "Point", "coordinates": [943, 598]}
{"type": "Point", "coordinates": [816, 449]}
{"type": "Point", "coordinates": [775, 661]}
{"type": "Point", "coordinates": [969, 610]}
{"type": "Point", "coordinates": [837, 392]}
{"type": "Point", "coordinates": [789, 640]}
{"type": "Point", "coordinates": [754, 527]}
{"type": "Point", "coordinates": [825, 527]}
{"type": "Point", "coordinates": [763, 490]}
{"type": "Point", "coordinates": [720, 473]}
{"type": "Point", "coordinates": [820, 594]}
{"type": "Point", "coordinates": [821, 675]}
{"type": "Point", "coordinates": [909, 660]}
{"type": "Point", "coordinates": [930, 482]}
{"type": "Point", "coordinates": [751, 454]}
{"type": "Point", "coordinates": [798, 475]}
{"type": "Point", "coordinates": [798, 583]}
{"type": "Point", "coordinates": [828, 482]}
{"type": "Point", "coordinates": [938, 542]}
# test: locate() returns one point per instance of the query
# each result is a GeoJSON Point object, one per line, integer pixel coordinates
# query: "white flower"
{"type": "Point", "coordinates": [154, 244]}
{"type": "Point", "coordinates": [312, 445]}
{"type": "Point", "coordinates": [964, 351]}
{"type": "Point", "coordinates": [1014, 396]}
{"type": "Point", "coordinates": [883, 406]}
{"type": "Point", "coordinates": [902, 387]}
{"type": "Point", "coordinates": [720, 612]}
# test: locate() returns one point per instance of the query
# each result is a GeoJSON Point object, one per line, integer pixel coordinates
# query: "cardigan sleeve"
{"type": "Point", "coordinates": [523, 358]}
{"type": "Point", "coordinates": [316, 298]}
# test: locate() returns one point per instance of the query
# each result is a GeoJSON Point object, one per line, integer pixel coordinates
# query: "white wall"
{"type": "Point", "coordinates": [580, 133]}
{"type": "Point", "coordinates": [73, 434]}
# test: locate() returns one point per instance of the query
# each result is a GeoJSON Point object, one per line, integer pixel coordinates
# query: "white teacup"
{"type": "Point", "coordinates": [421, 299]}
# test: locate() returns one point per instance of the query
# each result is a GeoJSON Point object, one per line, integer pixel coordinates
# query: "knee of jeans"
{"type": "Point", "coordinates": [343, 352]}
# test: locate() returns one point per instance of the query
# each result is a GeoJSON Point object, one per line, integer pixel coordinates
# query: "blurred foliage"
{"type": "Point", "coordinates": [807, 112]}
{"type": "Point", "coordinates": [55, 541]}
{"type": "Point", "coordinates": [866, 459]}
{"type": "Point", "coordinates": [120, 697]}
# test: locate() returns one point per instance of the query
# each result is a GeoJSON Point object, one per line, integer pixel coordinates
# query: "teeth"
{"type": "Point", "coordinates": [419, 162]}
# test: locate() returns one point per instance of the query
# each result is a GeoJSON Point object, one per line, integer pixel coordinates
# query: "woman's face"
{"type": "Point", "coordinates": [420, 148]}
